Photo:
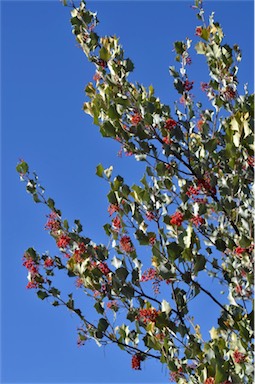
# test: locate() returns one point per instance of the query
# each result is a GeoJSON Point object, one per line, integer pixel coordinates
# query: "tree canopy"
{"type": "Point", "coordinates": [182, 232]}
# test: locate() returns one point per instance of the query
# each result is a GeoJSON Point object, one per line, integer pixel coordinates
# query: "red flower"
{"type": "Point", "coordinates": [126, 244]}
{"type": "Point", "coordinates": [239, 250]}
{"type": "Point", "coordinates": [170, 124]}
{"type": "Point", "coordinates": [198, 31]}
{"type": "Point", "coordinates": [78, 253]}
{"type": "Point", "coordinates": [239, 289]}
{"type": "Point", "coordinates": [251, 161]}
{"type": "Point", "coordinates": [79, 282]}
{"type": "Point", "coordinates": [113, 208]}
{"type": "Point", "coordinates": [204, 86]}
{"type": "Point", "coordinates": [32, 284]}
{"type": "Point", "coordinates": [63, 241]}
{"type": "Point", "coordinates": [149, 274]}
{"type": "Point", "coordinates": [238, 357]}
{"type": "Point", "coordinates": [102, 63]}
{"type": "Point", "coordinates": [136, 118]}
{"type": "Point", "coordinates": [167, 140]}
{"type": "Point", "coordinates": [188, 85]}
{"type": "Point", "coordinates": [52, 224]}
{"type": "Point", "coordinates": [200, 124]}
{"type": "Point", "coordinates": [197, 220]}
{"type": "Point", "coordinates": [97, 76]}
{"type": "Point", "coordinates": [193, 191]}
{"type": "Point", "coordinates": [112, 304]}
{"type": "Point", "coordinates": [148, 315]}
{"type": "Point", "coordinates": [229, 93]}
{"type": "Point", "coordinates": [104, 268]}
{"type": "Point", "coordinates": [136, 362]}
{"type": "Point", "coordinates": [152, 240]}
{"type": "Point", "coordinates": [177, 219]}
{"type": "Point", "coordinates": [116, 224]}
{"type": "Point", "coordinates": [48, 262]}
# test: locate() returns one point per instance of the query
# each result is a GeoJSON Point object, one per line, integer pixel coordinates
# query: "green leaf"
{"type": "Point", "coordinates": [174, 250]}
{"type": "Point", "coordinates": [122, 273]}
{"type": "Point", "coordinates": [129, 65]}
{"type": "Point", "coordinates": [51, 204]}
{"type": "Point", "coordinates": [220, 244]}
{"type": "Point", "coordinates": [99, 308]}
{"type": "Point", "coordinates": [128, 291]}
{"type": "Point", "coordinates": [102, 325]}
{"type": "Point", "coordinates": [42, 295]}
{"type": "Point", "coordinates": [100, 170]}
{"type": "Point", "coordinates": [22, 167]}
{"type": "Point", "coordinates": [199, 263]}
{"type": "Point", "coordinates": [104, 54]}
{"type": "Point", "coordinates": [179, 47]}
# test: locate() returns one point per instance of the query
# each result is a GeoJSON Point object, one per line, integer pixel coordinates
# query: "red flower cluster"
{"type": "Point", "coordinates": [104, 268]}
{"type": "Point", "coordinates": [63, 241]}
{"type": "Point", "coordinates": [52, 223]}
{"type": "Point", "coordinates": [49, 262]}
{"type": "Point", "coordinates": [102, 63]}
{"type": "Point", "coordinates": [239, 250]}
{"type": "Point", "coordinates": [79, 282]}
{"type": "Point", "coordinates": [188, 85]}
{"type": "Point", "coordinates": [238, 357]}
{"type": "Point", "coordinates": [197, 220]}
{"type": "Point", "coordinates": [204, 86]}
{"type": "Point", "coordinates": [198, 31]}
{"type": "Point", "coordinates": [126, 244]}
{"type": "Point", "coordinates": [32, 268]}
{"type": "Point", "coordinates": [136, 362]}
{"type": "Point", "coordinates": [229, 93]}
{"type": "Point", "coordinates": [116, 224]}
{"type": "Point", "coordinates": [112, 304]}
{"type": "Point", "coordinates": [177, 219]}
{"type": "Point", "coordinates": [152, 240]}
{"type": "Point", "coordinates": [96, 76]}
{"type": "Point", "coordinates": [170, 124]}
{"type": "Point", "coordinates": [113, 208]}
{"type": "Point", "coordinates": [251, 161]}
{"type": "Point", "coordinates": [200, 124]}
{"type": "Point", "coordinates": [193, 191]}
{"type": "Point", "coordinates": [136, 118]}
{"type": "Point", "coordinates": [210, 380]}
{"type": "Point", "coordinates": [149, 274]}
{"type": "Point", "coordinates": [78, 252]}
{"type": "Point", "coordinates": [148, 315]}
{"type": "Point", "coordinates": [167, 140]}
{"type": "Point", "coordinates": [205, 184]}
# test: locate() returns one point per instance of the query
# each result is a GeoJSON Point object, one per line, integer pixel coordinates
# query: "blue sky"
{"type": "Point", "coordinates": [43, 80]}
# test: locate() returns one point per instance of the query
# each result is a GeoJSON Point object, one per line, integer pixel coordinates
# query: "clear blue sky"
{"type": "Point", "coordinates": [43, 79]}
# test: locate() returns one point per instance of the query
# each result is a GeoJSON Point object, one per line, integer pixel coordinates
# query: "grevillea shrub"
{"type": "Point", "coordinates": [192, 211]}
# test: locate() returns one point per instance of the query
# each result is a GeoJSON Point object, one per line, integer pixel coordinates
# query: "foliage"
{"type": "Point", "coordinates": [192, 211]}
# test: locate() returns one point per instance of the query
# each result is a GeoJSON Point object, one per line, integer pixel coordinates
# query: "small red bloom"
{"type": "Point", "coordinates": [193, 191]}
{"type": "Point", "coordinates": [239, 289]}
{"type": "Point", "coordinates": [197, 220]}
{"type": "Point", "coordinates": [48, 262]}
{"type": "Point", "coordinates": [238, 357]}
{"type": "Point", "coordinates": [96, 76]}
{"type": "Point", "coordinates": [188, 85]}
{"type": "Point", "coordinates": [136, 362]}
{"type": "Point", "coordinates": [52, 224]}
{"type": "Point", "coordinates": [79, 282]}
{"type": "Point", "coordinates": [229, 93]}
{"type": "Point", "coordinates": [113, 208]}
{"type": "Point", "coordinates": [126, 244]}
{"type": "Point", "coordinates": [239, 250]}
{"type": "Point", "coordinates": [116, 224]}
{"type": "Point", "coordinates": [170, 124]}
{"type": "Point", "coordinates": [112, 304]}
{"type": "Point", "coordinates": [32, 284]}
{"type": "Point", "coordinates": [63, 241]}
{"type": "Point", "coordinates": [148, 315]}
{"type": "Point", "coordinates": [104, 268]}
{"type": "Point", "coordinates": [204, 86]}
{"type": "Point", "coordinates": [177, 219]}
{"type": "Point", "coordinates": [167, 140]}
{"type": "Point", "coordinates": [251, 161]}
{"type": "Point", "coordinates": [149, 274]}
{"type": "Point", "coordinates": [198, 31]}
{"type": "Point", "coordinates": [136, 118]}
{"type": "Point", "coordinates": [200, 124]}
{"type": "Point", "coordinates": [102, 63]}
{"type": "Point", "coordinates": [210, 380]}
{"type": "Point", "coordinates": [152, 240]}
